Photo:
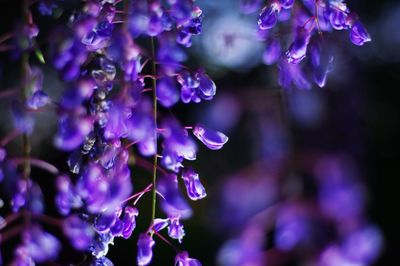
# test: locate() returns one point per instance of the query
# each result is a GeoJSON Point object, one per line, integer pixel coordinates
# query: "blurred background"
{"type": "Point", "coordinates": [307, 177]}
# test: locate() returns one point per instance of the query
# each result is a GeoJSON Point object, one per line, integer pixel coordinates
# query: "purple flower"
{"type": "Point", "coordinates": [167, 93]}
{"type": "Point", "coordinates": [181, 11]}
{"type": "Point", "coordinates": [207, 88]}
{"type": "Point", "coordinates": [100, 245]}
{"type": "Point", "coordinates": [105, 220]}
{"type": "Point", "coordinates": [38, 100]}
{"type": "Point", "coordinates": [337, 16]}
{"type": "Point", "coordinates": [322, 63]}
{"type": "Point", "coordinates": [286, 4]}
{"type": "Point", "coordinates": [93, 186]}
{"type": "Point", "coordinates": [141, 123]}
{"type": "Point", "coordinates": [213, 139]}
{"type": "Point", "coordinates": [41, 245]}
{"type": "Point", "coordinates": [171, 160]}
{"type": "Point", "coordinates": [103, 261]}
{"type": "Point", "coordinates": [117, 117]}
{"type": "Point", "coordinates": [20, 191]}
{"type": "Point", "coordinates": [170, 54]}
{"type": "Point", "coordinates": [298, 48]}
{"type": "Point", "coordinates": [292, 227]}
{"type": "Point", "coordinates": [175, 229]}
{"type": "Point", "coordinates": [174, 204]}
{"type": "Point", "coordinates": [195, 190]}
{"type": "Point", "coordinates": [74, 96]}
{"type": "Point", "coordinates": [23, 120]}
{"type": "Point", "coordinates": [145, 249]}
{"type": "Point", "coordinates": [272, 51]}
{"type": "Point", "coordinates": [160, 224]}
{"type": "Point", "coordinates": [269, 16]}
{"type": "Point", "coordinates": [358, 34]}
{"type": "Point", "coordinates": [176, 141]}
{"type": "Point", "coordinates": [129, 221]}
{"type": "Point", "coordinates": [182, 259]}
{"type": "Point", "coordinates": [46, 7]}
{"type": "Point", "coordinates": [139, 18]}
{"type": "Point", "coordinates": [363, 245]}
{"type": "Point", "coordinates": [196, 87]}
{"type": "Point", "coordinates": [186, 79]}
{"type": "Point", "coordinates": [73, 131]}
{"type": "Point", "coordinates": [341, 200]}
{"type": "Point", "coordinates": [292, 74]}
{"type": "Point", "coordinates": [79, 231]}
{"type": "Point", "coordinates": [67, 54]}
{"type": "Point", "coordinates": [66, 198]}
{"type": "Point", "coordinates": [22, 257]}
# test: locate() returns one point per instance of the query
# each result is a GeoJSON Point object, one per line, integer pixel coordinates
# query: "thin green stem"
{"type": "Point", "coordinates": [26, 145]}
{"type": "Point", "coordinates": [155, 158]}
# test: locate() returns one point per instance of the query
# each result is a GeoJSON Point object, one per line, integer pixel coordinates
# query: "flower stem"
{"type": "Point", "coordinates": [38, 163]}
{"type": "Point", "coordinates": [26, 145]}
{"type": "Point", "coordinates": [155, 158]}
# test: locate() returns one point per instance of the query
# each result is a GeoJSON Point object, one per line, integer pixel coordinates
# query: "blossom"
{"type": "Point", "coordinates": [298, 48]}
{"type": "Point", "coordinates": [358, 34]}
{"type": "Point", "coordinates": [175, 229]}
{"type": "Point", "coordinates": [79, 231]}
{"type": "Point", "coordinates": [195, 190]}
{"type": "Point", "coordinates": [40, 245]}
{"type": "Point", "coordinates": [182, 259]}
{"type": "Point", "coordinates": [268, 16]}
{"type": "Point", "coordinates": [213, 139]}
{"type": "Point", "coordinates": [145, 249]}
{"type": "Point", "coordinates": [174, 204]}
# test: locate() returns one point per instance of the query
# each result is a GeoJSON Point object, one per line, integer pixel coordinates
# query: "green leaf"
{"type": "Point", "coordinates": [40, 56]}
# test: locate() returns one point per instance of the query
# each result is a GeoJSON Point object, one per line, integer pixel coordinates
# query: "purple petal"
{"type": "Point", "coordinates": [364, 245]}
{"type": "Point", "coordinates": [160, 224]}
{"type": "Point", "coordinates": [42, 246]}
{"type": "Point", "coordinates": [286, 4]}
{"type": "Point", "coordinates": [174, 204]}
{"type": "Point", "coordinates": [78, 231]}
{"type": "Point", "coordinates": [358, 34]}
{"type": "Point", "coordinates": [206, 87]}
{"type": "Point", "coordinates": [298, 48]}
{"type": "Point", "coordinates": [129, 221]}
{"type": "Point", "coordinates": [182, 259]}
{"type": "Point", "coordinates": [23, 120]}
{"type": "Point", "coordinates": [105, 220]}
{"type": "Point", "coordinates": [175, 229]}
{"type": "Point", "coordinates": [167, 93]}
{"type": "Point", "coordinates": [145, 249]}
{"type": "Point", "coordinates": [272, 52]}
{"type": "Point", "coordinates": [268, 16]}
{"type": "Point", "coordinates": [213, 139]}
{"type": "Point", "coordinates": [194, 188]}
{"type": "Point", "coordinates": [72, 132]}
{"type": "Point", "coordinates": [38, 100]}
{"type": "Point", "coordinates": [337, 19]}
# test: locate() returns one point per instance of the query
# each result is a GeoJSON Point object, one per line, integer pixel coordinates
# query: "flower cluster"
{"type": "Point", "coordinates": [295, 30]}
{"type": "Point", "coordinates": [122, 63]}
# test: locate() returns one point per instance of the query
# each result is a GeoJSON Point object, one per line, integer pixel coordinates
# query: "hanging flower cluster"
{"type": "Point", "coordinates": [295, 30]}
{"type": "Point", "coordinates": [122, 63]}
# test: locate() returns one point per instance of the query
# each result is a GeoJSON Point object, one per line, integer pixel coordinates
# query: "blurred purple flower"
{"type": "Point", "coordinates": [145, 249]}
